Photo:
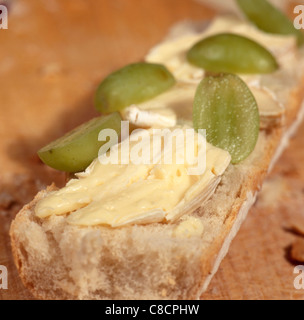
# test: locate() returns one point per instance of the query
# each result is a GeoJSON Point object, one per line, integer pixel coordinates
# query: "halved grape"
{"type": "Point", "coordinates": [226, 108]}
{"type": "Point", "coordinates": [78, 148]}
{"type": "Point", "coordinates": [269, 19]}
{"type": "Point", "coordinates": [134, 83]}
{"type": "Point", "coordinates": [232, 53]}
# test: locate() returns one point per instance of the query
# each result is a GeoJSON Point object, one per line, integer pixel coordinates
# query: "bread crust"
{"type": "Point", "coordinates": [179, 285]}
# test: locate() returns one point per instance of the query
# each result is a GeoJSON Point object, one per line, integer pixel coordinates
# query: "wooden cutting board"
{"type": "Point", "coordinates": [53, 55]}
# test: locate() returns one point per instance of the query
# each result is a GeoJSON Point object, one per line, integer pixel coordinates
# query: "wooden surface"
{"type": "Point", "coordinates": [53, 56]}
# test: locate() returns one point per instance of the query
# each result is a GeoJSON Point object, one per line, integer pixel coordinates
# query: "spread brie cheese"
{"type": "Point", "coordinates": [270, 109]}
{"type": "Point", "coordinates": [189, 227]}
{"type": "Point", "coordinates": [172, 52]}
{"type": "Point", "coordinates": [165, 110]}
{"type": "Point", "coordinates": [270, 90]}
{"type": "Point", "coordinates": [175, 107]}
{"type": "Point", "coordinates": [120, 194]}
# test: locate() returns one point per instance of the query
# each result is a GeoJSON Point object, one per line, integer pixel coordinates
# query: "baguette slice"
{"type": "Point", "coordinates": [57, 260]}
{"type": "Point", "coordinates": [60, 261]}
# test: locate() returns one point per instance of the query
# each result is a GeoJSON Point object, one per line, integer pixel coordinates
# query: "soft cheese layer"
{"type": "Point", "coordinates": [166, 110]}
{"type": "Point", "coordinates": [172, 53]}
{"type": "Point", "coordinates": [175, 106]}
{"type": "Point", "coordinates": [120, 194]}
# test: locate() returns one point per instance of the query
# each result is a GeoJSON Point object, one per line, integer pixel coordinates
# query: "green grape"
{"type": "Point", "coordinates": [269, 19]}
{"type": "Point", "coordinates": [78, 148]}
{"type": "Point", "coordinates": [226, 108]}
{"type": "Point", "coordinates": [232, 53]}
{"type": "Point", "coordinates": [134, 83]}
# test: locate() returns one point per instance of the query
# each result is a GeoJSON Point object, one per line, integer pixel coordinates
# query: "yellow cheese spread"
{"type": "Point", "coordinates": [120, 194]}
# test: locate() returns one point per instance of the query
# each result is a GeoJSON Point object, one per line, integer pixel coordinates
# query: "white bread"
{"type": "Point", "coordinates": [60, 261]}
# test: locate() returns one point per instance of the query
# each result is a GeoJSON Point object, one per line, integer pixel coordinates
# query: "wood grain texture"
{"type": "Point", "coordinates": [54, 54]}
